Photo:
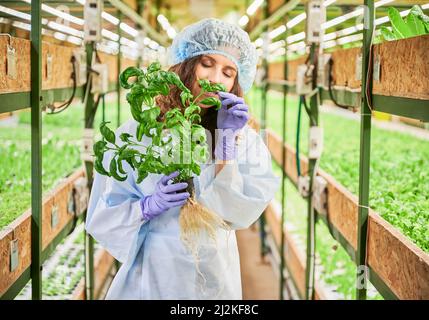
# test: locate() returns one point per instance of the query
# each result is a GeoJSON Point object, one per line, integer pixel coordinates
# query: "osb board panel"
{"type": "Point", "coordinates": [401, 265]}
{"type": "Point", "coordinates": [60, 72]}
{"type": "Point", "coordinates": [276, 69]}
{"type": "Point", "coordinates": [22, 54]}
{"type": "Point", "coordinates": [254, 20]}
{"type": "Point", "coordinates": [61, 66]}
{"type": "Point", "coordinates": [253, 123]}
{"type": "Point", "coordinates": [344, 68]}
{"type": "Point", "coordinates": [342, 209]}
{"type": "Point", "coordinates": [293, 67]}
{"type": "Point", "coordinates": [294, 259]}
{"type": "Point", "coordinates": [102, 264]}
{"type": "Point", "coordinates": [5, 115]}
{"type": "Point", "coordinates": [112, 62]}
{"type": "Point", "coordinates": [342, 205]}
{"type": "Point", "coordinates": [274, 223]}
{"type": "Point", "coordinates": [59, 198]}
{"type": "Point", "coordinates": [404, 68]}
{"type": "Point", "coordinates": [20, 229]}
{"type": "Point", "coordinates": [410, 121]}
{"type": "Point", "coordinates": [275, 146]}
{"type": "Point", "coordinates": [126, 62]}
{"type": "Point", "coordinates": [273, 5]}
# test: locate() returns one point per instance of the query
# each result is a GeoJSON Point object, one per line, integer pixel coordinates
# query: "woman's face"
{"type": "Point", "coordinates": [217, 69]}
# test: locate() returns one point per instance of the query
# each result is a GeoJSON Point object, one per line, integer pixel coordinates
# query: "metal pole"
{"type": "Point", "coordinates": [262, 221]}
{"type": "Point", "coordinates": [140, 10]}
{"type": "Point", "coordinates": [89, 123]}
{"type": "Point", "coordinates": [365, 148]}
{"type": "Point", "coordinates": [282, 223]}
{"type": "Point", "coordinates": [36, 151]}
{"type": "Point", "coordinates": [311, 216]}
{"type": "Point", "coordinates": [118, 86]}
{"type": "Point", "coordinates": [103, 109]}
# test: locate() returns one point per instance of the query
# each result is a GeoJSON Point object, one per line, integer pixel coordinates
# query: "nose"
{"type": "Point", "coordinates": [215, 76]}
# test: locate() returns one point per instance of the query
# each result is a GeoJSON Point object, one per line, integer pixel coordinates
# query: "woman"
{"type": "Point", "coordinates": [138, 224]}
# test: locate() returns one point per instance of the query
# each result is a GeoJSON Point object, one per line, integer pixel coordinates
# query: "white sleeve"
{"type": "Point", "coordinates": [241, 191]}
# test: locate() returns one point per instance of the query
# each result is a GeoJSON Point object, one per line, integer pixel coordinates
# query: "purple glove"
{"type": "Point", "coordinates": [164, 197]}
{"type": "Point", "coordinates": [229, 121]}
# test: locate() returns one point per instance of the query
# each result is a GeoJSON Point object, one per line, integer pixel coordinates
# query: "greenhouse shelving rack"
{"type": "Point", "coordinates": [15, 101]}
{"type": "Point", "coordinates": [61, 209]}
{"type": "Point", "coordinates": [31, 92]}
{"type": "Point", "coordinates": [407, 107]}
{"type": "Point", "coordinates": [341, 221]}
{"type": "Point", "coordinates": [385, 98]}
{"type": "Point", "coordinates": [23, 279]}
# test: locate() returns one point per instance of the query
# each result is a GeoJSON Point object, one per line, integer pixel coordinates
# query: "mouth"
{"type": "Point", "coordinates": [211, 94]}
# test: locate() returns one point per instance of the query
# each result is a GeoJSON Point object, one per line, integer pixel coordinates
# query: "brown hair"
{"type": "Point", "coordinates": [186, 72]}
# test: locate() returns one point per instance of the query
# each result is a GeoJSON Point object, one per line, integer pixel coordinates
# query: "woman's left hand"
{"type": "Point", "coordinates": [236, 116]}
{"type": "Point", "coordinates": [229, 121]}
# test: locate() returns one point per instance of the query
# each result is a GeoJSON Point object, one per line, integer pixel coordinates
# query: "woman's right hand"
{"type": "Point", "coordinates": [164, 197]}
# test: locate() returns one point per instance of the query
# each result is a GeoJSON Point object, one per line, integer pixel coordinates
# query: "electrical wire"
{"type": "Point", "coordinates": [298, 130]}
{"type": "Point", "coordinates": [369, 71]}
{"type": "Point", "coordinates": [66, 104]}
{"type": "Point", "coordinates": [330, 81]}
{"type": "Point", "coordinates": [307, 109]}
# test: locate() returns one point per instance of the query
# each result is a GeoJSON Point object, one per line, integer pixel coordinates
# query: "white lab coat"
{"type": "Point", "coordinates": [155, 263]}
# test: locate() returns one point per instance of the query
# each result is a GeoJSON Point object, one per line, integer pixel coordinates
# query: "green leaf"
{"type": "Point", "coordinates": [148, 100]}
{"type": "Point", "coordinates": [140, 131]}
{"type": "Point", "coordinates": [185, 97]}
{"type": "Point", "coordinates": [172, 113]}
{"type": "Point", "coordinates": [130, 162]}
{"type": "Point", "coordinates": [142, 173]}
{"type": "Point", "coordinates": [125, 136]}
{"type": "Point", "coordinates": [387, 34]}
{"type": "Point", "coordinates": [204, 84]}
{"type": "Point", "coordinates": [198, 134]}
{"type": "Point", "coordinates": [128, 73]}
{"type": "Point", "coordinates": [216, 87]}
{"type": "Point", "coordinates": [212, 101]}
{"type": "Point", "coordinates": [415, 24]}
{"type": "Point", "coordinates": [195, 118]}
{"type": "Point", "coordinates": [154, 165]}
{"type": "Point", "coordinates": [399, 26]}
{"type": "Point", "coordinates": [99, 148]}
{"type": "Point", "coordinates": [120, 168]}
{"type": "Point", "coordinates": [150, 115]}
{"type": "Point", "coordinates": [200, 154]}
{"type": "Point", "coordinates": [135, 100]}
{"type": "Point", "coordinates": [108, 134]}
{"type": "Point", "coordinates": [417, 11]}
{"type": "Point", "coordinates": [153, 67]}
{"type": "Point", "coordinates": [129, 153]}
{"type": "Point", "coordinates": [196, 169]}
{"type": "Point", "coordinates": [113, 171]}
{"type": "Point", "coordinates": [98, 166]}
{"type": "Point", "coordinates": [173, 78]}
{"type": "Point", "coordinates": [165, 89]}
{"type": "Point", "coordinates": [191, 109]}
